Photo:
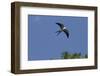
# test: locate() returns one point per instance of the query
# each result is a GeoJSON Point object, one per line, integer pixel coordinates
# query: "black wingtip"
{"type": "Point", "coordinates": [68, 37]}
{"type": "Point", "coordinates": [57, 23]}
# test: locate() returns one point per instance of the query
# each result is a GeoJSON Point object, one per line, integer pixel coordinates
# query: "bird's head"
{"type": "Point", "coordinates": [64, 28]}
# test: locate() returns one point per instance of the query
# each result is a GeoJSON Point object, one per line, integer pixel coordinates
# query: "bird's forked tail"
{"type": "Point", "coordinates": [58, 32]}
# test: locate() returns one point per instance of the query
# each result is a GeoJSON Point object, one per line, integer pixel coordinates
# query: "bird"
{"type": "Point", "coordinates": [62, 29]}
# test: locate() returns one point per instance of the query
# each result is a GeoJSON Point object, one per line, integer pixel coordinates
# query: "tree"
{"type": "Point", "coordinates": [86, 56]}
{"type": "Point", "coordinates": [66, 55]}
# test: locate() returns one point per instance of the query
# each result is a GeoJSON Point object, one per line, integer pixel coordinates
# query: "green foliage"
{"type": "Point", "coordinates": [86, 56]}
{"type": "Point", "coordinates": [66, 55]}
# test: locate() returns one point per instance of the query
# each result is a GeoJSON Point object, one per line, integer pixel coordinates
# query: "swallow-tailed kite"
{"type": "Point", "coordinates": [62, 29]}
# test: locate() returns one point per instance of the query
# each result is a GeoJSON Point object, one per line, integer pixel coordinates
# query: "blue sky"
{"type": "Point", "coordinates": [43, 44]}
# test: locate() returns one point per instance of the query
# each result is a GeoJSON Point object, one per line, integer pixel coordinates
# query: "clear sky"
{"type": "Point", "coordinates": [43, 42]}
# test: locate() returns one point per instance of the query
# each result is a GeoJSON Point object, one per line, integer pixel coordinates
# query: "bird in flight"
{"type": "Point", "coordinates": [62, 29]}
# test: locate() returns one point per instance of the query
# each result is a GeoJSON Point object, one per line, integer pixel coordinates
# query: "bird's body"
{"type": "Point", "coordinates": [62, 29]}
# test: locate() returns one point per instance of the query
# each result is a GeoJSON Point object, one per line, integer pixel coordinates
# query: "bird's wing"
{"type": "Point", "coordinates": [60, 25]}
{"type": "Point", "coordinates": [66, 32]}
